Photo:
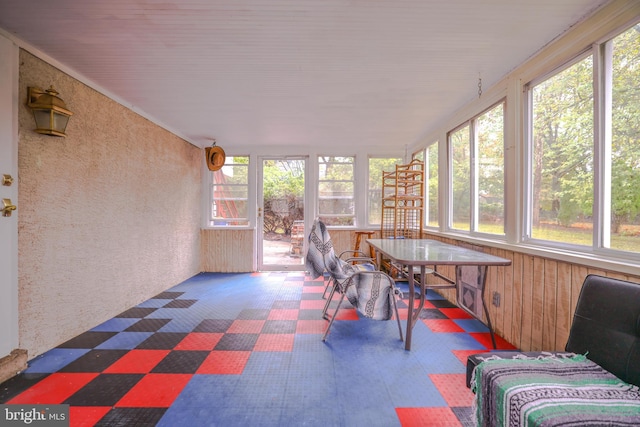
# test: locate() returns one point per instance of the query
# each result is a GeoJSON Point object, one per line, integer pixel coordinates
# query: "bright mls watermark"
{"type": "Point", "coordinates": [34, 415]}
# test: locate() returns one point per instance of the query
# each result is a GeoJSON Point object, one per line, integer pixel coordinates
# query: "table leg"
{"type": "Point", "coordinates": [483, 280]}
{"type": "Point", "coordinates": [414, 313]}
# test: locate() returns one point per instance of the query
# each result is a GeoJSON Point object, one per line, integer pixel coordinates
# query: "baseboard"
{"type": "Point", "coordinates": [13, 364]}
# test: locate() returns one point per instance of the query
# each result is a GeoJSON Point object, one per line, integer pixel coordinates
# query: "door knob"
{"type": "Point", "coordinates": [7, 207]}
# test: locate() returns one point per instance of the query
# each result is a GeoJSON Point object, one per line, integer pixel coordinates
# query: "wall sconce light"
{"type": "Point", "coordinates": [49, 110]}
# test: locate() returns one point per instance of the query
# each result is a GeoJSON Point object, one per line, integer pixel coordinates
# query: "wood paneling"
{"type": "Point", "coordinates": [229, 251]}
{"type": "Point", "coordinates": [538, 297]}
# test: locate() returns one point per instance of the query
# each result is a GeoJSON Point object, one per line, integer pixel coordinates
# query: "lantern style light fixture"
{"type": "Point", "coordinates": [49, 110]}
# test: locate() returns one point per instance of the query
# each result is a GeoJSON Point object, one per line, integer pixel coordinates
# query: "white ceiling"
{"type": "Point", "coordinates": [309, 73]}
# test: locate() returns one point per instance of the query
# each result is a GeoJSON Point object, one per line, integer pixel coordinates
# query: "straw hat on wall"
{"type": "Point", "coordinates": [215, 157]}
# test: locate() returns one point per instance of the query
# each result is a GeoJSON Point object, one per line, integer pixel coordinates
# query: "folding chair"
{"type": "Point", "coordinates": [321, 257]}
{"type": "Point", "coordinates": [372, 293]}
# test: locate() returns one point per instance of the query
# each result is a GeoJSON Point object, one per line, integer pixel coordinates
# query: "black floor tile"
{"type": "Point", "coordinates": [285, 305]}
{"type": "Point", "coordinates": [254, 314]}
{"type": "Point", "coordinates": [213, 325]}
{"type": "Point", "coordinates": [310, 314]}
{"type": "Point", "coordinates": [279, 327]}
{"type": "Point", "coordinates": [147, 325]}
{"type": "Point", "coordinates": [88, 340]}
{"type": "Point", "coordinates": [237, 342]}
{"type": "Point", "coordinates": [138, 312]}
{"type": "Point", "coordinates": [311, 296]}
{"type": "Point", "coordinates": [432, 313]}
{"type": "Point", "coordinates": [162, 341]}
{"type": "Point", "coordinates": [181, 362]}
{"type": "Point", "coordinates": [180, 303]}
{"type": "Point", "coordinates": [442, 303]}
{"type": "Point", "coordinates": [126, 417]}
{"type": "Point", "coordinates": [16, 385]}
{"type": "Point", "coordinates": [168, 295]}
{"type": "Point", "coordinates": [465, 415]}
{"type": "Point", "coordinates": [94, 361]}
{"type": "Point", "coordinates": [104, 390]}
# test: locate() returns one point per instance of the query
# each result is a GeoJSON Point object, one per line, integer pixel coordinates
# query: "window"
{"type": "Point", "coordinates": [460, 178]}
{"type": "Point", "coordinates": [431, 183]}
{"type": "Point", "coordinates": [490, 170]}
{"type": "Point", "coordinates": [374, 195]}
{"type": "Point", "coordinates": [230, 193]}
{"type": "Point", "coordinates": [562, 155]}
{"type": "Point", "coordinates": [622, 160]}
{"type": "Point", "coordinates": [584, 150]}
{"type": "Point", "coordinates": [476, 151]}
{"type": "Point", "coordinates": [336, 205]}
{"type": "Point", "coordinates": [431, 175]}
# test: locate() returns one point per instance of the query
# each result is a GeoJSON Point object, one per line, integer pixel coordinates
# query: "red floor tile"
{"type": "Point", "coordinates": [54, 389]}
{"type": "Point", "coordinates": [283, 314]}
{"type": "Point", "coordinates": [346, 314]}
{"type": "Point", "coordinates": [442, 325]}
{"type": "Point", "coordinates": [463, 354]}
{"type": "Point", "coordinates": [312, 304]}
{"type": "Point", "coordinates": [199, 341]}
{"type": "Point", "coordinates": [456, 313]}
{"type": "Point", "coordinates": [484, 338]}
{"type": "Point", "coordinates": [313, 289]}
{"type": "Point", "coordinates": [137, 362]}
{"type": "Point", "coordinates": [274, 342]}
{"type": "Point", "coordinates": [311, 326]}
{"type": "Point", "coordinates": [155, 391]}
{"type": "Point", "coordinates": [86, 416]}
{"type": "Point", "coordinates": [224, 362]}
{"type": "Point", "coordinates": [416, 303]}
{"type": "Point", "coordinates": [427, 417]}
{"type": "Point", "coordinates": [453, 389]}
{"type": "Point", "coordinates": [243, 326]}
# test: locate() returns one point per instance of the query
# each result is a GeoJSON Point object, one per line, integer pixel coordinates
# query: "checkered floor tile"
{"type": "Point", "coordinates": [246, 349]}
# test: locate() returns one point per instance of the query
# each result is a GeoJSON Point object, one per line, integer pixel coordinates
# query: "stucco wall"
{"type": "Point", "coordinates": [109, 215]}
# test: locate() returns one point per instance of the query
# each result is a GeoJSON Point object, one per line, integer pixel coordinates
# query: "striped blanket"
{"type": "Point", "coordinates": [551, 391]}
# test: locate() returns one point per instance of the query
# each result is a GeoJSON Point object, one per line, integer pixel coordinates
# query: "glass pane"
{"type": "Point", "coordinates": [230, 192]}
{"type": "Point", "coordinates": [336, 204]}
{"type": "Point", "coordinates": [625, 146]}
{"type": "Point", "coordinates": [374, 196]}
{"type": "Point", "coordinates": [461, 179]}
{"type": "Point", "coordinates": [490, 175]}
{"type": "Point", "coordinates": [562, 156]}
{"type": "Point", "coordinates": [432, 185]}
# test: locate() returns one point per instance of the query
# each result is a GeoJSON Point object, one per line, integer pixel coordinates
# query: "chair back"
{"type": "Point", "coordinates": [321, 256]}
{"type": "Point", "coordinates": [606, 326]}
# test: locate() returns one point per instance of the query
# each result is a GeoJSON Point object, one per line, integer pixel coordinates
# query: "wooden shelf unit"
{"type": "Point", "coordinates": [402, 207]}
{"type": "Point", "coordinates": [403, 201]}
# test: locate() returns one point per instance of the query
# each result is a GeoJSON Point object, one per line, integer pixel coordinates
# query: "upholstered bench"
{"type": "Point", "coordinates": [599, 369]}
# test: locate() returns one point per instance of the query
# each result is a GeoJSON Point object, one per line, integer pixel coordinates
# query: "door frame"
{"type": "Point", "coordinates": [260, 219]}
{"type": "Point", "coordinates": [9, 71]}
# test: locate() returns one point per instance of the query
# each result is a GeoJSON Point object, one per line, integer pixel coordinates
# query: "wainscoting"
{"type": "Point", "coordinates": [537, 296]}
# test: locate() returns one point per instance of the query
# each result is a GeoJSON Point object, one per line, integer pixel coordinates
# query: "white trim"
{"type": "Point", "coordinates": [9, 77]}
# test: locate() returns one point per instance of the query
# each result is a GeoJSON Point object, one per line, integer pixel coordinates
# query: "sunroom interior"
{"type": "Point", "coordinates": [536, 161]}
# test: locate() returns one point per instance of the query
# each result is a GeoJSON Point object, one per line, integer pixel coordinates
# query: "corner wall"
{"type": "Point", "coordinates": [109, 216]}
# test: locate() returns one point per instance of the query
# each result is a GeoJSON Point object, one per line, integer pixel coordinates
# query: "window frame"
{"type": "Point", "coordinates": [602, 72]}
{"type": "Point", "coordinates": [471, 123]}
{"type": "Point", "coordinates": [247, 185]}
{"type": "Point", "coordinates": [354, 214]}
